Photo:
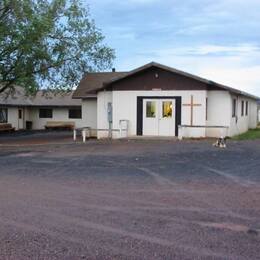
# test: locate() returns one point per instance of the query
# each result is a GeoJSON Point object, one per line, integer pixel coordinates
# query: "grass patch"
{"type": "Point", "coordinates": [252, 134]}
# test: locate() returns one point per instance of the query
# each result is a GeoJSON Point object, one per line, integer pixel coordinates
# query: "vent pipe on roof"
{"type": "Point", "coordinates": [113, 70]}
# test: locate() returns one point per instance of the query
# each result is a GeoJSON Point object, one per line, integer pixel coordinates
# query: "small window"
{"type": "Point", "coordinates": [45, 113]}
{"type": "Point", "coordinates": [3, 115]}
{"type": "Point", "coordinates": [234, 107]}
{"type": "Point", "coordinates": [246, 108]}
{"type": "Point", "coordinates": [75, 113]}
{"type": "Point", "coordinates": [166, 109]}
{"type": "Point", "coordinates": [150, 109]}
{"type": "Point", "coordinates": [242, 107]}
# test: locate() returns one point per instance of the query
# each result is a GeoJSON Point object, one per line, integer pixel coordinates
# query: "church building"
{"type": "Point", "coordinates": [156, 100]}
{"type": "Point", "coordinates": [153, 100]}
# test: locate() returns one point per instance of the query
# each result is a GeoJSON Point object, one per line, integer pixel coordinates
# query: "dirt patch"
{"type": "Point", "coordinates": [136, 199]}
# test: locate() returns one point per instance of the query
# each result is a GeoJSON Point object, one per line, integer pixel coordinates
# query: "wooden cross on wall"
{"type": "Point", "coordinates": [191, 105]}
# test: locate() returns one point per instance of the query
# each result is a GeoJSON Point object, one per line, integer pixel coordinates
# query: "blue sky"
{"type": "Point", "coordinates": [219, 40]}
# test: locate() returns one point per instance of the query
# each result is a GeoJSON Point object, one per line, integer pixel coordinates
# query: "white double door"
{"type": "Point", "coordinates": [159, 117]}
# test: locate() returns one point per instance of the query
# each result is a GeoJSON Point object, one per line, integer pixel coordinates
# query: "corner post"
{"type": "Point", "coordinates": [180, 134]}
{"type": "Point", "coordinates": [74, 134]}
{"type": "Point", "coordinates": [84, 135]}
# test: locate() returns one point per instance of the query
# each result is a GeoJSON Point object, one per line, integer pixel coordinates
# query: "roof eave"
{"type": "Point", "coordinates": [40, 105]}
{"type": "Point", "coordinates": [85, 96]}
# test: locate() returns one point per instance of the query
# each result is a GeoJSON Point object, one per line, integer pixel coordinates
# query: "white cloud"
{"type": "Point", "coordinates": [210, 49]}
{"type": "Point", "coordinates": [216, 49]}
{"type": "Point", "coordinates": [247, 79]}
{"type": "Point", "coordinates": [234, 70]}
{"type": "Point", "coordinates": [218, 40]}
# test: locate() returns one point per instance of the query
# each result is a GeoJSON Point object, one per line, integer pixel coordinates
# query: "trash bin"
{"type": "Point", "coordinates": [28, 125]}
{"type": "Point", "coordinates": [123, 123]}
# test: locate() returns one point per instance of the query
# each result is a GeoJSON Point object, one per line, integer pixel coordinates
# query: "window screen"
{"type": "Point", "coordinates": [75, 113]}
{"type": "Point", "coordinates": [45, 113]}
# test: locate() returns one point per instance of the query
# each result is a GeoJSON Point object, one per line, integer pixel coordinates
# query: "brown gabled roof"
{"type": "Point", "coordinates": [91, 82]}
{"type": "Point", "coordinates": [158, 65]}
{"type": "Point", "coordinates": [94, 82]}
{"type": "Point", "coordinates": [19, 98]}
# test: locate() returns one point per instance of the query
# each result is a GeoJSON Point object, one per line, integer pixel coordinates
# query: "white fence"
{"type": "Point", "coordinates": [86, 131]}
{"type": "Point", "coordinates": [223, 130]}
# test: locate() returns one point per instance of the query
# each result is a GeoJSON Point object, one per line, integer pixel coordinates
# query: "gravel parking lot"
{"type": "Point", "coordinates": [128, 199]}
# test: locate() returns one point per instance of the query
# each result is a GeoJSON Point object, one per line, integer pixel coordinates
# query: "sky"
{"type": "Point", "coordinates": [218, 40]}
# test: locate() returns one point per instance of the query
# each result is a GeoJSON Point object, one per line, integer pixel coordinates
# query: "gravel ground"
{"type": "Point", "coordinates": [137, 199]}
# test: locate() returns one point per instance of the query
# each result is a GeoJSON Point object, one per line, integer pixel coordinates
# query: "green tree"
{"type": "Point", "coordinates": [48, 43]}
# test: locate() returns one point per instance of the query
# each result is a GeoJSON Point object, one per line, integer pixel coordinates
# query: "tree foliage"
{"type": "Point", "coordinates": [48, 43]}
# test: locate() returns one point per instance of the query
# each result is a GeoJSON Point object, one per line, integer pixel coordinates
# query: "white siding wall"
{"type": "Point", "coordinates": [59, 114]}
{"type": "Point", "coordinates": [241, 124]}
{"type": "Point", "coordinates": [89, 116]}
{"type": "Point", "coordinates": [89, 113]}
{"type": "Point", "coordinates": [253, 114]}
{"type": "Point", "coordinates": [219, 113]}
{"type": "Point", "coordinates": [13, 116]}
{"type": "Point", "coordinates": [125, 107]}
{"type": "Point", "coordinates": [103, 99]}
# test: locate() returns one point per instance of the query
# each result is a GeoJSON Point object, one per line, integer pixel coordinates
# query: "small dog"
{"type": "Point", "coordinates": [221, 142]}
